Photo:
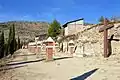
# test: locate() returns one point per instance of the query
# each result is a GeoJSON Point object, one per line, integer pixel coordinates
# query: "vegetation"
{"type": "Point", "coordinates": [9, 46]}
{"type": "Point", "coordinates": [54, 29]}
{"type": "Point", "coordinates": [26, 30]}
{"type": "Point", "coordinates": [18, 45]}
{"type": "Point", "coordinates": [12, 41]}
{"type": "Point", "coordinates": [101, 19]}
{"type": "Point", "coordinates": [2, 45]}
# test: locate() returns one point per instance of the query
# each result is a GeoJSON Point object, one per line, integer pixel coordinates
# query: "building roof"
{"type": "Point", "coordinates": [71, 41]}
{"type": "Point", "coordinates": [49, 40]}
{"type": "Point", "coordinates": [65, 25]}
{"type": "Point", "coordinates": [32, 43]}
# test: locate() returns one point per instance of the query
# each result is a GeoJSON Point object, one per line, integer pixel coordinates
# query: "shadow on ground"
{"type": "Point", "coordinates": [25, 62]}
{"type": "Point", "coordinates": [25, 55]}
{"type": "Point", "coordinates": [85, 75]}
{"type": "Point", "coordinates": [9, 68]}
{"type": "Point", "coordinates": [62, 58]}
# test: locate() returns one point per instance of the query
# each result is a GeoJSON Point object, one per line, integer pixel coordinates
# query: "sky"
{"type": "Point", "coordinates": [61, 10]}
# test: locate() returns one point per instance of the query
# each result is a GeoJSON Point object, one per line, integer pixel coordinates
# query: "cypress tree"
{"type": "Point", "coordinates": [2, 45]}
{"type": "Point", "coordinates": [9, 40]}
{"type": "Point", "coordinates": [12, 41]}
{"type": "Point", "coordinates": [6, 46]}
{"type": "Point", "coordinates": [18, 45]}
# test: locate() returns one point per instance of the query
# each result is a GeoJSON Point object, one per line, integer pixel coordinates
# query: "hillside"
{"type": "Point", "coordinates": [26, 30]}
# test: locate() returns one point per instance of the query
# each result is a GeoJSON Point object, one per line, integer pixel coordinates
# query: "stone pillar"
{"type": "Point", "coordinates": [79, 51]}
{"type": "Point", "coordinates": [56, 47]}
{"type": "Point", "coordinates": [29, 47]}
{"type": "Point", "coordinates": [32, 47]}
{"type": "Point", "coordinates": [49, 49]}
{"type": "Point", "coordinates": [39, 49]}
{"type": "Point", "coordinates": [65, 47]}
{"type": "Point", "coordinates": [71, 47]}
{"type": "Point", "coordinates": [43, 48]}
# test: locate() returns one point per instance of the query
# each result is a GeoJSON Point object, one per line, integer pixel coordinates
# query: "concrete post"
{"type": "Point", "coordinates": [49, 49]}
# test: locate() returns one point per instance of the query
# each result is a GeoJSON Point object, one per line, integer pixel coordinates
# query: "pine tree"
{"type": "Point", "coordinates": [2, 45]}
{"type": "Point", "coordinates": [54, 29]}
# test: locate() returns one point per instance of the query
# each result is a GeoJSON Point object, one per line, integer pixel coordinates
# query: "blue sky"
{"type": "Point", "coordinates": [62, 10]}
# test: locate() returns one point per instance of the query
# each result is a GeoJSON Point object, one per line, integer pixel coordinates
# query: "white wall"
{"type": "Point", "coordinates": [80, 22]}
{"type": "Point", "coordinates": [74, 27]}
{"type": "Point", "coordinates": [66, 31]}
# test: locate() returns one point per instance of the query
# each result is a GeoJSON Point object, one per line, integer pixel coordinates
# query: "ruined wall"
{"type": "Point", "coordinates": [115, 45]}
{"type": "Point", "coordinates": [75, 28]}
{"type": "Point", "coordinates": [91, 41]}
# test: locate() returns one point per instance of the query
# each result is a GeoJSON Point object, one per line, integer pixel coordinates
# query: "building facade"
{"type": "Point", "coordinates": [73, 27]}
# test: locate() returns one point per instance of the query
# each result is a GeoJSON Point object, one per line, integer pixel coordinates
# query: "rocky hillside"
{"type": "Point", "coordinates": [26, 30]}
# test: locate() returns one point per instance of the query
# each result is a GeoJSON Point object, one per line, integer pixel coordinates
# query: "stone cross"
{"type": "Point", "coordinates": [105, 30]}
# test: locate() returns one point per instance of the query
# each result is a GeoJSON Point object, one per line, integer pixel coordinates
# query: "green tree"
{"type": "Point", "coordinates": [12, 41]}
{"type": "Point", "coordinates": [18, 45]}
{"type": "Point", "coordinates": [101, 19]}
{"type": "Point", "coordinates": [2, 45]}
{"type": "Point", "coordinates": [9, 41]}
{"type": "Point", "coordinates": [54, 29]}
{"type": "Point", "coordinates": [6, 46]}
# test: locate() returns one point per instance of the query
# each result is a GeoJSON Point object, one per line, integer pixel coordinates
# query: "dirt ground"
{"type": "Point", "coordinates": [28, 66]}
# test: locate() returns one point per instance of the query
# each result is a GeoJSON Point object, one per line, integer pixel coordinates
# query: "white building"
{"type": "Point", "coordinates": [74, 26]}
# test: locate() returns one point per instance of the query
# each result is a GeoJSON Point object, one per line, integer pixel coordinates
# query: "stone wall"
{"type": "Point", "coordinates": [92, 40]}
{"type": "Point", "coordinates": [89, 41]}
{"type": "Point", "coordinates": [75, 28]}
